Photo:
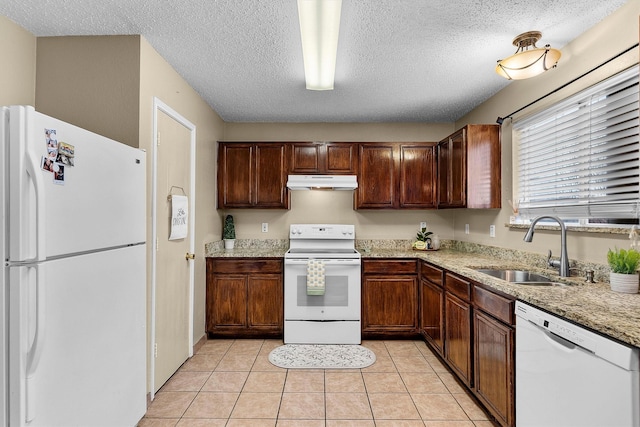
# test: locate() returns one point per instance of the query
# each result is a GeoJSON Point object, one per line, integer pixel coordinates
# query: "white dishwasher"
{"type": "Point", "coordinates": [569, 376]}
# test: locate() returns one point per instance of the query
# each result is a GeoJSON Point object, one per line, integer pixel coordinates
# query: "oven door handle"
{"type": "Point", "coordinates": [304, 261]}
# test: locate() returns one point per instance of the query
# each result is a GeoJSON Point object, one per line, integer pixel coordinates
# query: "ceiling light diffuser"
{"type": "Point", "coordinates": [529, 60]}
{"type": "Point", "coordinates": [319, 28]}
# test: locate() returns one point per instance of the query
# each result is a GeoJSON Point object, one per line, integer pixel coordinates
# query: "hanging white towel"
{"type": "Point", "coordinates": [179, 217]}
{"type": "Point", "coordinates": [315, 277]}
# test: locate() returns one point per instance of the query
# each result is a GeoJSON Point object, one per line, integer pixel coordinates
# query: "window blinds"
{"type": "Point", "coordinates": [579, 158]}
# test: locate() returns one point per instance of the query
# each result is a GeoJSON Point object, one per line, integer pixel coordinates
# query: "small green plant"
{"type": "Point", "coordinates": [623, 261]}
{"type": "Point", "coordinates": [423, 235]}
{"type": "Point", "coordinates": [229, 230]}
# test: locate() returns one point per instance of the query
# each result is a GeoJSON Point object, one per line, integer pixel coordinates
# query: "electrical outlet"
{"type": "Point", "coordinates": [492, 231]}
{"type": "Point", "coordinates": [423, 224]}
{"type": "Point", "coordinates": [466, 229]}
{"type": "Point", "coordinates": [265, 227]}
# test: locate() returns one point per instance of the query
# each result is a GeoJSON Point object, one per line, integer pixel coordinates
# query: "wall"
{"type": "Point", "coordinates": [91, 82]}
{"type": "Point", "coordinates": [337, 206]}
{"type": "Point", "coordinates": [18, 71]}
{"type": "Point", "coordinates": [159, 79]}
{"type": "Point", "coordinates": [611, 36]}
{"type": "Point", "coordinates": [106, 84]}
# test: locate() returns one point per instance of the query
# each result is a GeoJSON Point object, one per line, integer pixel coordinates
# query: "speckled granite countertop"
{"type": "Point", "coordinates": [246, 248]}
{"type": "Point", "coordinates": [593, 305]}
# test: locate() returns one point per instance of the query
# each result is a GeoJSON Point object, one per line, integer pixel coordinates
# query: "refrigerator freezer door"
{"type": "Point", "coordinates": [98, 201]}
{"type": "Point", "coordinates": [78, 340]}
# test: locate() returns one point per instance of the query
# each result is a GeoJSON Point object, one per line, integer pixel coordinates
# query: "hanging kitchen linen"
{"type": "Point", "coordinates": [179, 217]}
{"type": "Point", "coordinates": [315, 277]}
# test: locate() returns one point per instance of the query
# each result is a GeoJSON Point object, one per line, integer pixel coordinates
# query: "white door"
{"type": "Point", "coordinates": [173, 268]}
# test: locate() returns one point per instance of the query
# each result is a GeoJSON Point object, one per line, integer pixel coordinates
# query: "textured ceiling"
{"type": "Point", "coordinates": [398, 60]}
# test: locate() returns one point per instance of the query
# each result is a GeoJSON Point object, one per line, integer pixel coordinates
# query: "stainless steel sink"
{"type": "Point", "coordinates": [520, 277]}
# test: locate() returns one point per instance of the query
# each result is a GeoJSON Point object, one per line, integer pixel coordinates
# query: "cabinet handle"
{"type": "Point", "coordinates": [189, 256]}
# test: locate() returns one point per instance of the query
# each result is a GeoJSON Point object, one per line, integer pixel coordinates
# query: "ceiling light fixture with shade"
{"type": "Point", "coordinates": [529, 60]}
{"type": "Point", "coordinates": [319, 28]}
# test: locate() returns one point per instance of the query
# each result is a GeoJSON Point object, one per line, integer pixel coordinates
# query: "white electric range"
{"type": "Point", "coordinates": [332, 318]}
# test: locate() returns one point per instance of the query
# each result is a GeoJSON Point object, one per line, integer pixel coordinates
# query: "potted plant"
{"type": "Point", "coordinates": [229, 232]}
{"type": "Point", "coordinates": [624, 270]}
{"type": "Point", "coordinates": [423, 242]}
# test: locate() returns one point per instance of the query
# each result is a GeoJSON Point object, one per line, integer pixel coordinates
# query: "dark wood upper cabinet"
{"type": "Point", "coordinates": [469, 168]}
{"type": "Point", "coordinates": [377, 176]}
{"type": "Point", "coordinates": [395, 175]}
{"type": "Point", "coordinates": [336, 158]}
{"type": "Point", "coordinates": [417, 176]}
{"type": "Point", "coordinates": [252, 175]}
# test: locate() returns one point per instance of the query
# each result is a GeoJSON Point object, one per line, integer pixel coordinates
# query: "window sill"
{"type": "Point", "coordinates": [574, 228]}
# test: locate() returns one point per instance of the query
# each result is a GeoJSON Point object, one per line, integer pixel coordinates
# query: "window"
{"type": "Point", "coordinates": [579, 159]}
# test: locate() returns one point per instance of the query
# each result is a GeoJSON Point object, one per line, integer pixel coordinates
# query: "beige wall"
{"type": "Point", "coordinates": [107, 84]}
{"type": "Point", "coordinates": [91, 82]}
{"type": "Point", "coordinates": [18, 71]}
{"type": "Point", "coordinates": [337, 206]}
{"type": "Point", "coordinates": [613, 35]}
{"type": "Point", "coordinates": [159, 79]}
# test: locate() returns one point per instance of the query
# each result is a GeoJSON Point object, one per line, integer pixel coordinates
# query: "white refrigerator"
{"type": "Point", "coordinates": [73, 295]}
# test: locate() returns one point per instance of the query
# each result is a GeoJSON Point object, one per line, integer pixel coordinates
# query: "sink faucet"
{"type": "Point", "coordinates": [564, 258]}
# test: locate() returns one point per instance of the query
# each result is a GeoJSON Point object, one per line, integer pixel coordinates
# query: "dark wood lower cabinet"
{"type": "Point", "coordinates": [457, 346]}
{"type": "Point", "coordinates": [494, 366]}
{"type": "Point", "coordinates": [389, 298]}
{"type": "Point", "coordinates": [244, 298]}
{"type": "Point", "coordinates": [468, 325]}
{"type": "Point", "coordinates": [432, 306]}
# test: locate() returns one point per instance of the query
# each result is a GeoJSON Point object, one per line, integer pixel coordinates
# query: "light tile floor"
{"type": "Point", "coordinates": [232, 383]}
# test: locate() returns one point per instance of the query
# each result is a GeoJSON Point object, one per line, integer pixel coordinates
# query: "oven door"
{"type": "Point", "coordinates": [341, 300]}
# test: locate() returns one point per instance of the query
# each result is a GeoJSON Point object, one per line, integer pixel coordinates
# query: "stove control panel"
{"type": "Point", "coordinates": [322, 231]}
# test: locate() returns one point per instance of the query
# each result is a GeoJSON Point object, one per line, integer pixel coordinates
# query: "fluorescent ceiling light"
{"type": "Point", "coordinates": [319, 28]}
{"type": "Point", "coordinates": [529, 60]}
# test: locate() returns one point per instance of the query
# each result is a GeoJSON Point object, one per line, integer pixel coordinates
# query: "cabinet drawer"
{"type": "Point", "coordinates": [390, 266]}
{"type": "Point", "coordinates": [244, 265]}
{"type": "Point", "coordinates": [498, 306]}
{"type": "Point", "coordinates": [459, 287]}
{"type": "Point", "coordinates": [431, 273]}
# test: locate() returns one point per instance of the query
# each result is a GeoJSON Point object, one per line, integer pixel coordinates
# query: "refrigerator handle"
{"type": "Point", "coordinates": [34, 353]}
{"type": "Point", "coordinates": [38, 184]}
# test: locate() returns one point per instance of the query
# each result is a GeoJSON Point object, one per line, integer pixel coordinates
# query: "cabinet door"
{"type": "Point", "coordinates": [494, 366]}
{"type": "Point", "coordinates": [235, 175]}
{"type": "Point", "coordinates": [452, 173]}
{"type": "Point", "coordinates": [417, 176]}
{"type": "Point", "coordinates": [458, 171]}
{"type": "Point", "coordinates": [270, 176]}
{"type": "Point", "coordinates": [443, 173]}
{"type": "Point", "coordinates": [377, 180]}
{"type": "Point", "coordinates": [432, 314]}
{"type": "Point", "coordinates": [340, 158]}
{"type": "Point", "coordinates": [458, 336]}
{"type": "Point", "coordinates": [389, 304]}
{"type": "Point", "coordinates": [228, 302]}
{"type": "Point", "coordinates": [265, 302]}
{"type": "Point", "coordinates": [305, 158]}
{"type": "Point", "coordinates": [483, 166]}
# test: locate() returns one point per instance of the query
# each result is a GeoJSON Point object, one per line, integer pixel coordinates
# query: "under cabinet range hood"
{"type": "Point", "coordinates": [322, 182]}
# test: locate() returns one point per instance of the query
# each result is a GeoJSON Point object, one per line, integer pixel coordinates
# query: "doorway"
{"type": "Point", "coordinates": [172, 260]}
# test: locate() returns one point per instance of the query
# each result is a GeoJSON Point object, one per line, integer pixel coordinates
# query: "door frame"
{"type": "Point", "coordinates": [159, 106]}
